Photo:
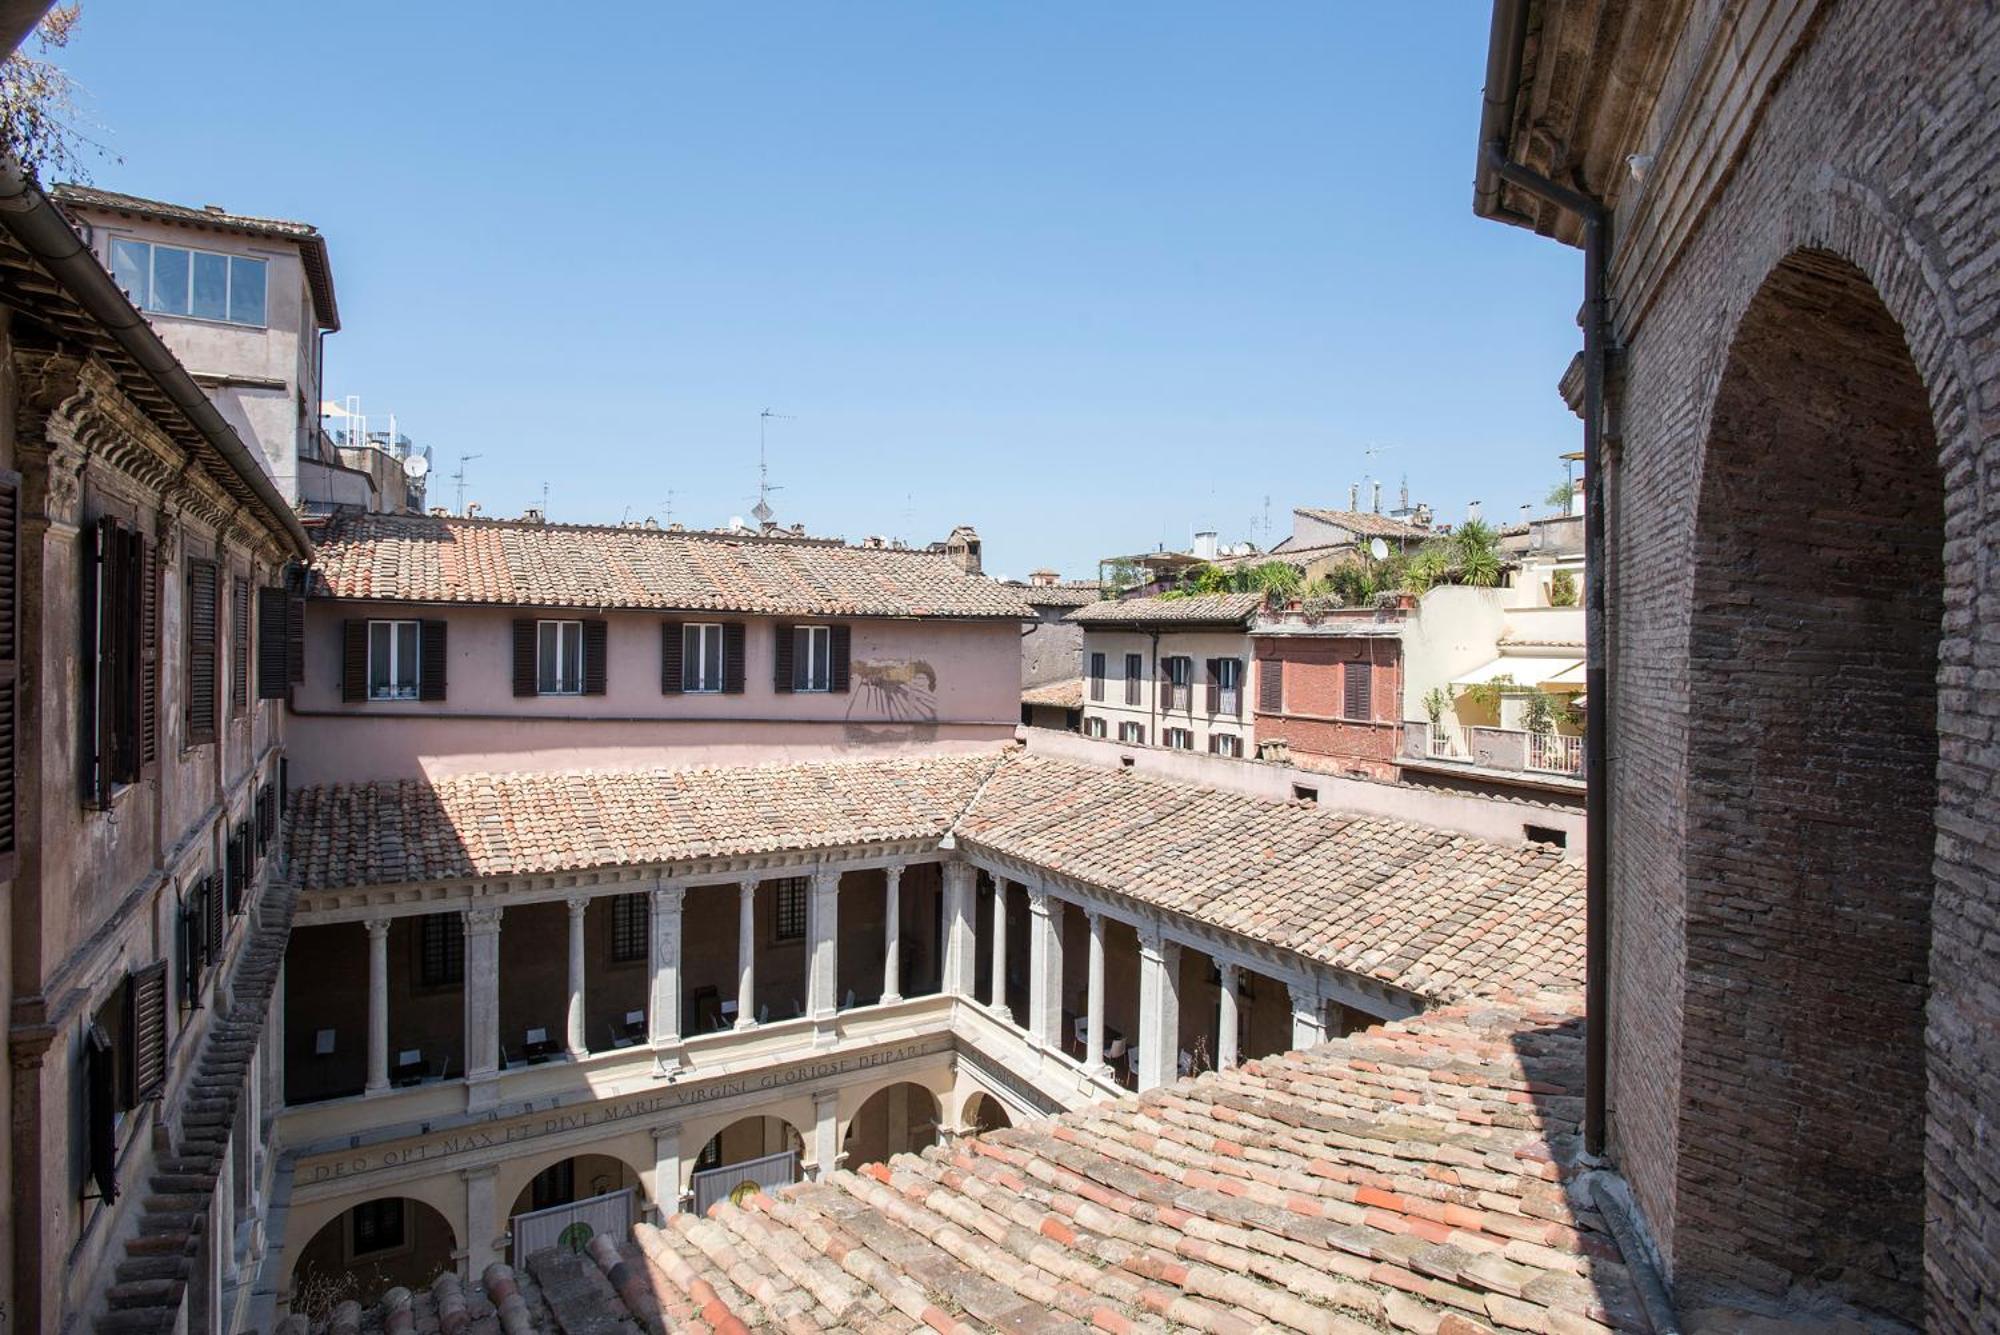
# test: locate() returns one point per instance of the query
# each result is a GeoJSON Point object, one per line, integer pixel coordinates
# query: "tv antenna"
{"type": "Point", "coordinates": [763, 509]}
{"type": "Point", "coordinates": [670, 507]}
{"type": "Point", "coordinates": [459, 477]}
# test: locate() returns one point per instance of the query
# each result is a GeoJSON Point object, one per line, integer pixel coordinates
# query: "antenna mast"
{"type": "Point", "coordinates": [459, 478]}
{"type": "Point", "coordinates": [763, 509]}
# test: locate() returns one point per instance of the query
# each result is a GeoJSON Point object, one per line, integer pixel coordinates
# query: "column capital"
{"type": "Point", "coordinates": [577, 903]}
{"type": "Point", "coordinates": [482, 921]}
{"type": "Point", "coordinates": [662, 1134]}
{"type": "Point", "coordinates": [823, 1098]}
{"type": "Point", "coordinates": [825, 878]}
{"type": "Point", "coordinates": [1095, 917]}
{"type": "Point", "coordinates": [1152, 938]}
{"type": "Point", "coordinates": [1228, 971]}
{"type": "Point", "coordinates": [1038, 895]}
{"type": "Point", "coordinates": [894, 873]}
{"type": "Point", "coordinates": [378, 928]}
{"type": "Point", "coordinates": [749, 884]}
{"type": "Point", "coordinates": [669, 896]}
{"type": "Point", "coordinates": [479, 1173]}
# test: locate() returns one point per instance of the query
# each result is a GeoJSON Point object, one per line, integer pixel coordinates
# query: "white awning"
{"type": "Point", "coordinates": [1569, 676]}
{"type": "Point", "coordinates": [1525, 672]}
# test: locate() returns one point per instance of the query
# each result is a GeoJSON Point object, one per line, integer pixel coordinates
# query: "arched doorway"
{"type": "Point", "coordinates": [750, 1154]}
{"type": "Point", "coordinates": [1812, 789]}
{"type": "Point", "coordinates": [902, 1119]}
{"type": "Point", "coordinates": [983, 1113]}
{"type": "Point", "coordinates": [371, 1248]}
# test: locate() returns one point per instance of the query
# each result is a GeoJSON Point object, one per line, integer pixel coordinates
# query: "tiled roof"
{"type": "Point", "coordinates": [312, 246]}
{"type": "Point", "coordinates": [1420, 1176]}
{"type": "Point", "coordinates": [1207, 609]}
{"type": "Point", "coordinates": [1436, 913]}
{"type": "Point", "coordinates": [430, 558]}
{"type": "Point", "coordinates": [1059, 595]}
{"type": "Point", "coordinates": [1364, 523]}
{"type": "Point", "coordinates": [348, 835]}
{"type": "Point", "coordinates": [1055, 694]}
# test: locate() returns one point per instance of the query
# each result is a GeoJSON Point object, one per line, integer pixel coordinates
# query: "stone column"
{"type": "Point", "coordinates": [960, 882]}
{"type": "Point", "coordinates": [574, 1038]}
{"type": "Point", "coordinates": [1159, 1008]}
{"type": "Point", "coordinates": [892, 935]}
{"type": "Point", "coordinates": [823, 947]}
{"type": "Point", "coordinates": [746, 953]}
{"type": "Point", "coordinates": [1045, 967]}
{"type": "Point", "coordinates": [378, 1005]}
{"type": "Point", "coordinates": [482, 1218]}
{"type": "Point", "coordinates": [999, 998]}
{"type": "Point", "coordinates": [826, 1132]}
{"type": "Point", "coordinates": [1308, 1015]}
{"type": "Point", "coordinates": [667, 1168]}
{"type": "Point", "coordinates": [482, 993]}
{"type": "Point", "coordinates": [663, 1002]}
{"type": "Point", "coordinates": [1226, 1055]}
{"type": "Point", "coordinates": [1093, 1043]}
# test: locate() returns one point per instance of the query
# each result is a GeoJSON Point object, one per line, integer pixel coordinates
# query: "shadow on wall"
{"type": "Point", "coordinates": [904, 692]}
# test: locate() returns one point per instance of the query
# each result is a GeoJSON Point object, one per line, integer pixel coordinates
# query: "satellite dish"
{"type": "Point", "coordinates": [416, 465]}
{"type": "Point", "coordinates": [1377, 548]}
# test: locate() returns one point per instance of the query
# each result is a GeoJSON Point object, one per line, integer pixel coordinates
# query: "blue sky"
{"type": "Point", "coordinates": [1087, 277]}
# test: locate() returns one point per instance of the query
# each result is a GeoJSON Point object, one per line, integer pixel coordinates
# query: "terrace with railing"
{"type": "Point", "coordinates": [1490, 748]}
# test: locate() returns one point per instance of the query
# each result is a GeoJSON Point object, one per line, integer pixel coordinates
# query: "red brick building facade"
{"type": "Point", "coordinates": [1334, 700]}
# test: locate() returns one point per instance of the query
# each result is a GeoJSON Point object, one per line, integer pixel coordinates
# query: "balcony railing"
{"type": "Point", "coordinates": [767, 1174]}
{"type": "Point", "coordinates": [1448, 741]}
{"type": "Point", "coordinates": [1555, 753]}
{"type": "Point", "coordinates": [1497, 748]}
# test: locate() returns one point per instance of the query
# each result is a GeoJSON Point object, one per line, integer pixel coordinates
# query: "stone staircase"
{"type": "Point", "coordinates": [150, 1280]}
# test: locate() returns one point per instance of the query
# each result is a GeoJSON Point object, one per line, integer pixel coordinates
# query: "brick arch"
{"type": "Point", "coordinates": [1812, 761]}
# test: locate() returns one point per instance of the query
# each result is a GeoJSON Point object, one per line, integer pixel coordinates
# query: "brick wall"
{"type": "Point", "coordinates": [1764, 976]}
{"type": "Point", "coordinates": [1314, 722]}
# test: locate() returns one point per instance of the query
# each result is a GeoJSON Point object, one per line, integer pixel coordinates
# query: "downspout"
{"type": "Point", "coordinates": [1510, 23]}
{"type": "Point", "coordinates": [1159, 712]}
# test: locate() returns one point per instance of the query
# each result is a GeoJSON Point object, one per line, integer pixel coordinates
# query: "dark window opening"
{"type": "Point", "coordinates": [788, 909]}
{"type": "Point", "coordinates": [1546, 834]}
{"type": "Point", "coordinates": [378, 1226]}
{"type": "Point", "coordinates": [628, 928]}
{"type": "Point", "coordinates": [441, 950]}
{"type": "Point", "coordinates": [1301, 793]}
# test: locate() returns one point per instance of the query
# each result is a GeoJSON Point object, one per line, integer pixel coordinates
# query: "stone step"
{"type": "Point", "coordinates": [167, 1243]}
{"type": "Point", "coordinates": [137, 1321]}
{"type": "Point", "coordinates": [138, 1267]}
{"type": "Point", "coordinates": [178, 1184]}
{"type": "Point", "coordinates": [143, 1293]}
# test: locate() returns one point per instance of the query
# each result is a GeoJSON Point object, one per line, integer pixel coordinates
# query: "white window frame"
{"type": "Point", "coordinates": [817, 643]}
{"type": "Point", "coordinates": [1226, 744]}
{"type": "Point", "coordinates": [144, 300]}
{"type": "Point", "coordinates": [395, 692]}
{"type": "Point", "coordinates": [1229, 687]}
{"type": "Point", "coordinates": [1179, 683]}
{"type": "Point", "coordinates": [1180, 739]}
{"type": "Point", "coordinates": [1132, 726]}
{"type": "Point", "coordinates": [564, 629]}
{"type": "Point", "coordinates": [701, 656]}
{"type": "Point", "coordinates": [1094, 726]}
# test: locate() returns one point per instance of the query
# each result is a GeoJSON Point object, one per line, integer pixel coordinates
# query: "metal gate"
{"type": "Point", "coordinates": [572, 1224]}
{"type": "Point", "coordinates": [770, 1172]}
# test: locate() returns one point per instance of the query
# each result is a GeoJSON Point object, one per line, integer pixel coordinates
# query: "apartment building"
{"type": "Point", "coordinates": [1330, 688]}
{"type": "Point", "coordinates": [146, 597]}
{"type": "Point", "coordinates": [1169, 671]}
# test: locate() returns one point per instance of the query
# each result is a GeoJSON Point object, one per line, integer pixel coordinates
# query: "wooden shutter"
{"type": "Point", "coordinates": [101, 1100]}
{"type": "Point", "coordinates": [595, 639]}
{"type": "Point", "coordinates": [94, 745]}
{"type": "Point", "coordinates": [10, 659]}
{"type": "Point", "coordinates": [1271, 685]}
{"type": "Point", "coordinates": [239, 647]}
{"type": "Point", "coordinates": [1214, 685]}
{"type": "Point", "coordinates": [430, 660]}
{"type": "Point", "coordinates": [1166, 684]}
{"type": "Point", "coordinates": [1097, 677]}
{"type": "Point", "coordinates": [524, 656]}
{"type": "Point", "coordinates": [781, 674]}
{"type": "Point", "coordinates": [203, 617]}
{"type": "Point", "coordinates": [295, 637]}
{"type": "Point", "coordinates": [1358, 678]}
{"type": "Point", "coordinates": [671, 644]}
{"type": "Point", "coordinates": [187, 947]}
{"type": "Point", "coordinates": [838, 640]}
{"type": "Point", "coordinates": [274, 668]}
{"type": "Point", "coordinates": [215, 919]}
{"type": "Point", "coordinates": [732, 658]}
{"type": "Point", "coordinates": [149, 657]}
{"type": "Point", "coordinates": [353, 660]}
{"type": "Point", "coordinates": [146, 1030]}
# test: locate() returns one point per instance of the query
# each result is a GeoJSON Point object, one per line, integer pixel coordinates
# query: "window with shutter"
{"type": "Point", "coordinates": [1097, 677]}
{"type": "Point", "coordinates": [113, 619]}
{"type": "Point", "coordinates": [524, 657]}
{"type": "Point", "coordinates": [839, 641]}
{"type": "Point", "coordinates": [732, 658]}
{"type": "Point", "coordinates": [1214, 667]}
{"type": "Point", "coordinates": [273, 649]}
{"type": "Point", "coordinates": [674, 641]}
{"type": "Point", "coordinates": [239, 647]}
{"type": "Point", "coordinates": [1271, 685]}
{"type": "Point", "coordinates": [812, 658]}
{"type": "Point", "coordinates": [431, 659]}
{"type": "Point", "coordinates": [149, 657]}
{"type": "Point", "coordinates": [596, 665]}
{"type": "Point", "coordinates": [295, 636]}
{"type": "Point", "coordinates": [147, 1035]}
{"type": "Point", "coordinates": [1135, 668]}
{"type": "Point", "coordinates": [216, 924]}
{"type": "Point", "coordinates": [101, 1111]}
{"type": "Point", "coordinates": [10, 660]}
{"type": "Point", "coordinates": [188, 945]}
{"type": "Point", "coordinates": [203, 623]}
{"type": "Point", "coordinates": [1358, 678]}
{"type": "Point", "coordinates": [781, 678]}
{"type": "Point", "coordinates": [232, 869]}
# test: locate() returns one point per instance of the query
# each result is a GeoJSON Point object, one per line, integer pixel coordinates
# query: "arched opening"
{"type": "Point", "coordinates": [1812, 760]}
{"type": "Point", "coordinates": [368, 1249]}
{"type": "Point", "coordinates": [983, 1113]}
{"type": "Point", "coordinates": [902, 1119]}
{"type": "Point", "coordinates": [580, 1177]}
{"type": "Point", "coordinates": [749, 1155]}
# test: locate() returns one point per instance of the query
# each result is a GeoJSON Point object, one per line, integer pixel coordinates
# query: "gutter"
{"type": "Point", "coordinates": [1496, 118]}
{"type": "Point", "coordinates": [35, 222]}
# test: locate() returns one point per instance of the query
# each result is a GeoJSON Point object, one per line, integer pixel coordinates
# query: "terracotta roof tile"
{"type": "Point", "coordinates": [1055, 694]}
{"type": "Point", "coordinates": [1364, 523]}
{"type": "Point", "coordinates": [1214, 609]}
{"type": "Point", "coordinates": [438, 559]}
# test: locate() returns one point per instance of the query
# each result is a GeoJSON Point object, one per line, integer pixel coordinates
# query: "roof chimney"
{"type": "Point", "coordinates": [1204, 544]}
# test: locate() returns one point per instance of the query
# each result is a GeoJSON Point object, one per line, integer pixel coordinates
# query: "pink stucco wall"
{"type": "Point", "coordinates": [930, 685]}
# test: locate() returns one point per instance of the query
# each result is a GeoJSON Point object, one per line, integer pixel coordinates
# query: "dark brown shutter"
{"type": "Point", "coordinates": [239, 647]}
{"type": "Point", "coordinates": [781, 675]}
{"type": "Point", "coordinates": [295, 638]}
{"type": "Point", "coordinates": [837, 640]}
{"type": "Point", "coordinates": [127, 574]}
{"type": "Point", "coordinates": [233, 873]}
{"type": "Point", "coordinates": [149, 657]}
{"type": "Point", "coordinates": [94, 744]}
{"type": "Point", "coordinates": [215, 917]}
{"type": "Point", "coordinates": [273, 644]}
{"type": "Point", "coordinates": [101, 1098]}
{"type": "Point", "coordinates": [203, 617]}
{"type": "Point", "coordinates": [732, 658]}
{"type": "Point", "coordinates": [1271, 685]}
{"type": "Point", "coordinates": [670, 657]}
{"type": "Point", "coordinates": [147, 1030]}
{"type": "Point", "coordinates": [430, 660]}
{"type": "Point", "coordinates": [1214, 685]}
{"type": "Point", "coordinates": [10, 657]}
{"type": "Point", "coordinates": [524, 656]}
{"type": "Point", "coordinates": [187, 942]}
{"type": "Point", "coordinates": [353, 660]}
{"type": "Point", "coordinates": [1097, 676]}
{"type": "Point", "coordinates": [1242, 687]}
{"type": "Point", "coordinates": [1358, 679]}
{"type": "Point", "coordinates": [594, 641]}
{"type": "Point", "coordinates": [1166, 684]}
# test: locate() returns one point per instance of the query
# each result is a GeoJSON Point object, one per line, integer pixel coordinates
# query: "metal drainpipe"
{"type": "Point", "coordinates": [1597, 839]}
{"type": "Point", "coordinates": [1159, 712]}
